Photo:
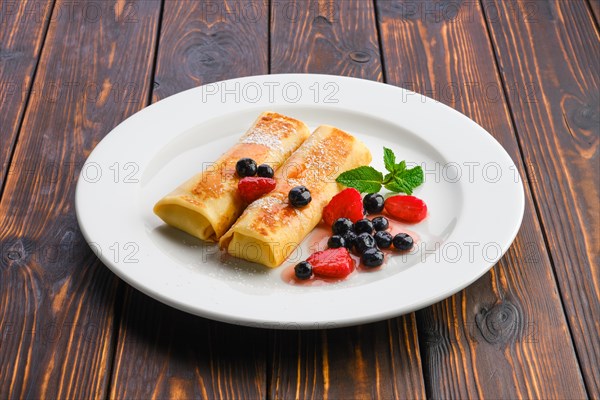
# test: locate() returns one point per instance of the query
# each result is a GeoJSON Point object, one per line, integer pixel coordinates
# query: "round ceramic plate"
{"type": "Point", "coordinates": [472, 189]}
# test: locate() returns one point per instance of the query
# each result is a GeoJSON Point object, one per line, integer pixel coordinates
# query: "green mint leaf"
{"type": "Point", "coordinates": [363, 179]}
{"type": "Point", "coordinates": [389, 159]}
{"type": "Point", "coordinates": [414, 176]}
{"type": "Point", "coordinates": [399, 179]}
{"type": "Point", "coordinates": [388, 178]}
{"type": "Point", "coordinates": [400, 167]}
{"type": "Point", "coordinates": [398, 187]}
{"type": "Point", "coordinates": [406, 180]}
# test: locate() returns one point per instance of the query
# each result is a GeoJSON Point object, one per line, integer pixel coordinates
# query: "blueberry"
{"type": "Point", "coordinates": [303, 270]}
{"type": "Point", "coordinates": [372, 257]}
{"type": "Point", "coordinates": [383, 239]}
{"type": "Point", "coordinates": [380, 223]}
{"type": "Point", "coordinates": [299, 196]}
{"type": "Point", "coordinates": [373, 203]}
{"type": "Point", "coordinates": [342, 225]}
{"type": "Point", "coordinates": [363, 242]}
{"type": "Point", "coordinates": [336, 241]}
{"type": "Point", "coordinates": [363, 225]}
{"type": "Point", "coordinates": [350, 238]}
{"type": "Point", "coordinates": [245, 167]}
{"type": "Point", "coordinates": [265, 171]}
{"type": "Point", "coordinates": [403, 241]}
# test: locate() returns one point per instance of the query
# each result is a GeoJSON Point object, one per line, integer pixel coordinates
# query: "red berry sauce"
{"type": "Point", "coordinates": [318, 241]}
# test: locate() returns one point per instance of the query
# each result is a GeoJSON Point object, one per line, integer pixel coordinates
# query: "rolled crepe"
{"type": "Point", "coordinates": [270, 228]}
{"type": "Point", "coordinates": [208, 204]}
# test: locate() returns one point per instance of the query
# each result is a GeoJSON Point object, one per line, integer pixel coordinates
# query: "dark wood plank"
{"type": "Point", "coordinates": [558, 51]}
{"type": "Point", "coordinates": [379, 360]}
{"type": "Point", "coordinates": [208, 42]}
{"type": "Point", "coordinates": [56, 299]}
{"type": "Point", "coordinates": [595, 4]}
{"type": "Point", "coordinates": [331, 37]}
{"type": "Point", "coordinates": [162, 352]}
{"type": "Point", "coordinates": [168, 354]}
{"type": "Point", "coordinates": [493, 339]}
{"type": "Point", "coordinates": [22, 30]}
{"type": "Point", "coordinates": [376, 360]}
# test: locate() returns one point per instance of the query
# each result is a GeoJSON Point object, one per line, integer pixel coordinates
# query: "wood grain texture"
{"type": "Point", "coordinates": [558, 50]}
{"type": "Point", "coordinates": [204, 42]}
{"type": "Point", "coordinates": [506, 335]}
{"type": "Point", "coordinates": [330, 37]}
{"type": "Point", "coordinates": [595, 4]}
{"type": "Point", "coordinates": [379, 360]}
{"type": "Point", "coordinates": [162, 352]}
{"type": "Point", "coordinates": [56, 299]}
{"type": "Point", "coordinates": [23, 26]}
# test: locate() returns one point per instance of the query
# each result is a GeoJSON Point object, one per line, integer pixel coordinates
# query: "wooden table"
{"type": "Point", "coordinates": [527, 71]}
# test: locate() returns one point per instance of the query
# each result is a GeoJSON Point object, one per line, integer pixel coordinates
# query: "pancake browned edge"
{"type": "Point", "coordinates": [270, 229]}
{"type": "Point", "coordinates": [206, 205]}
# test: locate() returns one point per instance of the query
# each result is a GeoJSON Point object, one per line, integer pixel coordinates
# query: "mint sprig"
{"type": "Point", "coordinates": [399, 179]}
{"type": "Point", "coordinates": [363, 179]}
{"type": "Point", "coordinates": [389, 159]}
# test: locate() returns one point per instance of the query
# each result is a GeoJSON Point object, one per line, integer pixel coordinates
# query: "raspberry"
{"type": "Point", "coordinates": [332, 263]}
{"type": "Point", "coordinates": [345, 204]}
{"type": "Point", "coordinates": [252, 187]}
{"type": "Point", "coordinates": [406, 208]}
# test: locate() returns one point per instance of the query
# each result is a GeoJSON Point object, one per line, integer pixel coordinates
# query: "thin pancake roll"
{"type": "Point", "coordinates": [206, 205]}
{"type": "Point", "coordinates": [270, 228]}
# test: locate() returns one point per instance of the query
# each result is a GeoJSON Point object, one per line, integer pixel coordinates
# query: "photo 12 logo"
{"type": "Point", "coordinates": [469, 172]}
{"type": "Point", "coordinates": [271, 92]}
{"type": "Point", "coordinates": [116, 172]}
{"type": "Point", "coordinates": [69, 11]}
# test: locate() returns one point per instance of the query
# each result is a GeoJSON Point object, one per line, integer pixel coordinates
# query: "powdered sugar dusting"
{"type": "Point", "coordinates": [317, 157]}
{"type": "Point", "coordinates": [266, 203]}
{"type": "Point", "coordinates": [273, 210]}
{"type": "Point", "coordinates": [257, 136]}
{"type": "Point", "coordinates": [268, 132]}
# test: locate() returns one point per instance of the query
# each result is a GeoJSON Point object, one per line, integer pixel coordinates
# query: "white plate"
{"type": "Point", "coordinates": [472, 189]}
